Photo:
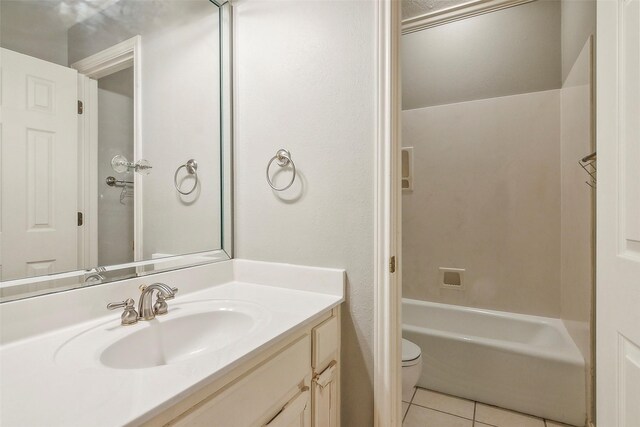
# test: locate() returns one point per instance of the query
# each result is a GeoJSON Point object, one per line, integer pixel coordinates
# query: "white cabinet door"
{"type": "Point", "coordinates": [295, 413]}
{"type": "Point", "coordinates": [618, 227]}
{"type": "Point", "coordinates": [325, 394]}
{"type": "Point", "coordinates": [39, 167]}
{"type": "Point", "coordinates": [325, 362]}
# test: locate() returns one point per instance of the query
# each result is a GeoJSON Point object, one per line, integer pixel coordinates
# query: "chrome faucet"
{"type": "Point", "coordinates": [147, 311]}
{"type": "Point", "coordinates": [95, 276]}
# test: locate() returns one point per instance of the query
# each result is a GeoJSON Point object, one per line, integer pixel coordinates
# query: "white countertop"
{"type": "Point", "coordinates": [39, 387]}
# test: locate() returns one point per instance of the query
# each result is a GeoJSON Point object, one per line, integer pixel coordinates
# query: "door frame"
{"type": "Point", "coordinates": [111, 60]}
{"type": "Point", "coordinates": [387, 284]}
{"type": "Point", "coordinates": [88, 176]}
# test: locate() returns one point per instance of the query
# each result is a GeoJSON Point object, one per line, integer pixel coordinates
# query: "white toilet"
{"type": "Point", "coordinates": [411, 368]}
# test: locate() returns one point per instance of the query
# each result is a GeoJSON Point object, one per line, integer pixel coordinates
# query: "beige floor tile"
{"type": "Point", "coordinates": [405, 406]}
{"type": "Point", "coordinates": [444, 403]}
{"type": "Point", "coordinates": [503, 418]}
{"type": "Point", "coordinates": [407, 398]}
{"type": "Point", "coordinates": [556, 424]}
{"type": "Point", "coordinates": [424, 417]}
{"type": "Point", "coordinates": [477, 424]}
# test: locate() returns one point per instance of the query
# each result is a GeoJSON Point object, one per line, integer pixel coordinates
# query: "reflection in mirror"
{"type": "Point", "coordinates": [114, 151]}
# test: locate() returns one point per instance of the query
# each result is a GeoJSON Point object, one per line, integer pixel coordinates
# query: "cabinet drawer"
{"type": "Point", "coordinates": [325, 343]}
{"type": "Point", "coordinates": [254, 398]}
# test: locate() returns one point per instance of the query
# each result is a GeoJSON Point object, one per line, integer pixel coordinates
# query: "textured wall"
{"type": "Point", "coordinates": [511, 51]}
{"type": "Point", "coordinates": [36, 28]}
{"type": "Point", "coordinates": [304, 80]}
{"type": "Point", "coordinates": [486, 198]}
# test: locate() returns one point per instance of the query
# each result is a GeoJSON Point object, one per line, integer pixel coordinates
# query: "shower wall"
{"type": "Point", "coordinates": [497, 108]}
{"type": "Point", "coordinates": [486, 198]}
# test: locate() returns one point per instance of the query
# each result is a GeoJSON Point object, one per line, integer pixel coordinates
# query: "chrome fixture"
{"type": "Point", "coordinates": [147, 310]}
{"type": "Point", "coordinates": [129, 316]}
{"type": "Point", "coordinates": [120, 164]}
{"type": "Point", "coordinates": [588, 163]}
{"type": "Point", "coordinates": [192, 169]}
{"type": "Point", "coordinates": [95, 276]}
{"type": "Point", "coordinates": [127, 187]}
{"type": "Point", "coordinates": [113, 182]}
{"type": "Point", "coordinates": [282, 158]}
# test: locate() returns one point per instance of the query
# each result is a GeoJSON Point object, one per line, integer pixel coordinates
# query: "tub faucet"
{"type": "Point", "coordinates": [147, 311]}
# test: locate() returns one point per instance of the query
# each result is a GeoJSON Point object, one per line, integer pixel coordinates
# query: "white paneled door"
{"type": "Point", "coordinates": [618, 224]}
{"type": "Point", "coordinates": [39, 166]}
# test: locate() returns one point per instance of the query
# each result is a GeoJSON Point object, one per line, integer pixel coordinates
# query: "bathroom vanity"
{"type": "Point", "coordinates": [244, 343]}
{"type": "Point", "coordinates": [87, 220]}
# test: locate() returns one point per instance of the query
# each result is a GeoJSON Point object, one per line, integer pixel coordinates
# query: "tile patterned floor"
{"type": "Point", "coordinates": [431, 409]}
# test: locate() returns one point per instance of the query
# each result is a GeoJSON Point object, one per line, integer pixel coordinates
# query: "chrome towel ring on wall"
{"type": "Point", "coordinates": [282, 158]}
{"type": "Point", "coordinates": [192, 169]}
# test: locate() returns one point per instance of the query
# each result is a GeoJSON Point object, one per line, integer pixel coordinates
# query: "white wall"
{"type": "Point", "coordinates": [181, 120]}
{"type": "Point", "coordinates": [115, 136]}
{"type": "Point", "coordinates": [304, 80]}
{"type": "Point", "coordinates": [180, 113]}
{"type": "Point", "coordinates": [510, 51]}
{"type": "Point", "coordinates": [486, 198]}
{"type": "Point", "coordinates": [577, 209]}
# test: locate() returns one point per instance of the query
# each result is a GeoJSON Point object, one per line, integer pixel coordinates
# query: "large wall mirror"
{"type": "Point", "coordinates": [115, 140]}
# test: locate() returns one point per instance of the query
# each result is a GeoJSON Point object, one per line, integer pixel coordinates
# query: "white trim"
{"type": "Point", "coordinates": [88, 176]}
{"type": "Point", "coordinates": [455, 13]}
{"type": "Point", "coordinates": [387, 316]}
{"type": "Point", "coordinates": [111, 60]}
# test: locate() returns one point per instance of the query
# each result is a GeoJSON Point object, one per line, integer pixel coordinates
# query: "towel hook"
{"type": "Point", "coordinates": [192, 168]}
{"type": "Point", "coordinates": [282, 158]}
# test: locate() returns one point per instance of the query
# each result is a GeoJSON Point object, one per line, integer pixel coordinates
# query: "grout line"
{"type": "Point", "coordinates": [441, 411]}
{"type": "Point", "coordinates": [445, 412]}
{"type": "Point", "coordinates": [475, 405]}
{"type": "Point", "coordinates": [415, 390]}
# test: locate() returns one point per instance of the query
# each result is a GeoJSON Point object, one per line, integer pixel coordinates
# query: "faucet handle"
{"type": "Point", "coordinates": [126, 303]}
{"type": "Point", "coordinates": [161, 307]}
{"type": "Point", "coordinates": [130, 315]}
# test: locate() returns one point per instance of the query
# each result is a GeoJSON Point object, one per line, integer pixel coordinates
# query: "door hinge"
{"type": "Point", "coordinates": [80, 219]}
{"type": "Point", "coordinates": [392, 264]}
{"type": "Point", "coordinates": [80, 107]}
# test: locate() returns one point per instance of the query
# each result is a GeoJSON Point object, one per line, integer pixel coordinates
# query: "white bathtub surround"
{"type": "Point", "coordinates": [486, 199]}
{"type": "Point", "coordinates": [79, 390]}
{"type": "Point", "coordinates": [486, 355]}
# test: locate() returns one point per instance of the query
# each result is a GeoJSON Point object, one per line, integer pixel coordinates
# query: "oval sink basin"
{"type": "Point", "coordinates": [188, 330]}
{"type": "Point", "coordinates": [175, 339]}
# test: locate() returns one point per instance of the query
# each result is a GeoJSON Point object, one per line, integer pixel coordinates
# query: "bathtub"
{"type": "Point", "coordinates": [525, 363]}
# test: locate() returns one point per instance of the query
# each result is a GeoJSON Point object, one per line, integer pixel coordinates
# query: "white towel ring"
{"type": "Point", "coordinates": [282, 158]}
{"type": "Point", "coordinates": [192, 168]}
